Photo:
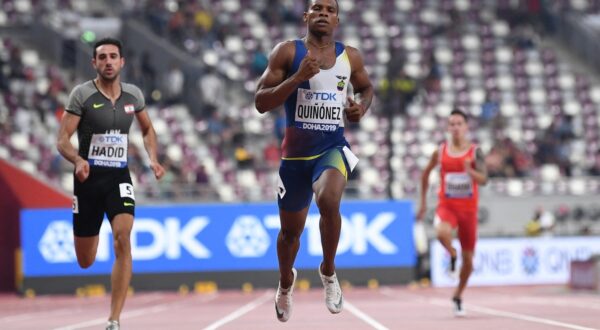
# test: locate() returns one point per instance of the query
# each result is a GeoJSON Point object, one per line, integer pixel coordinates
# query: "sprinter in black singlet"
{"type": "Point", "coordinates": [101, 111]}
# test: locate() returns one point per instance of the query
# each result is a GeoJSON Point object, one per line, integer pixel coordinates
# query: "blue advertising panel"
{"type": "Point", "coordinates": [220, 237]}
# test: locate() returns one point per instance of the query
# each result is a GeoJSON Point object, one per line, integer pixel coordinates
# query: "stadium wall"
{"type": "Point", "coordinates": [19, 190]}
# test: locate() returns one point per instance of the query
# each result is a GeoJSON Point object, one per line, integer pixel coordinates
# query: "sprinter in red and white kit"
{"type": "Point", "coordinates": [462, 170]}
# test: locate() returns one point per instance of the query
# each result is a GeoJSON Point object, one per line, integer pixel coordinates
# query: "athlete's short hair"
{"type": "Point", "coordinates": [108, 41]}
{"type": "Point", "coordinates": [337, 5]}
{"type": "Point", "coordinates": [457, 111]}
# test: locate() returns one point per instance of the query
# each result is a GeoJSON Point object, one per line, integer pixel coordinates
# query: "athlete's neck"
{"type": "Point", "coordinates": [460, 143]}
{"type": "Point", "coordinates": [111, 89]}
{"type": "Point", "coordinates": [319, 42]}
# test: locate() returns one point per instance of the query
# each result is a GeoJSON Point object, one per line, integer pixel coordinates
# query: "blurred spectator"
{"type": "Point", "coordinates": [542, 223]}
{"type": "Point", "coordinates": [173, 84]}
{"type": "Point", "coordinates": [507, 160]}
{"type": "Point", "coordinates": [489, 109]}
{"type": "Point", "coordinates": [259, 62]}
{"type": "Point", "coordinates": [595, 168]}
{"type": "Point", "coordinates": [212, 90]}
{"type": "Point", "coordinates": [398, 92]}
{"type": "Point", "coordinates": [434, 75]}
{"type": "Point", "coordinates": [533, 226]}
{"type": "Point", "coordinates": [272, 154]}
{"type": "Point", "coordinates": [148, 77]}
{"type": "Point", "coordinates": [243, 157]}
{"type": "Point", "coordinates": [554, 146]}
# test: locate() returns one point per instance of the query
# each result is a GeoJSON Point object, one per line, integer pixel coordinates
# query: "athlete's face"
{"type": "Point", "coordinates": [322, 16]}
{"type": "Point", "coordinates": [108, 62]}
{"type": "Point", "coordinates": [457, 126]}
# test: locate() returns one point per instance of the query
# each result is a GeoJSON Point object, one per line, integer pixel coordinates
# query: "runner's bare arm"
{"type": "Point", "coordinates": [273, 87]}
{"type": "Point", "coordinates": [479, 172]}
{"type": "Point", "coordinates": [68, 126]}
{"type": "Point", "coordinates": [433, 161]}
{"type": "Point", "coordinates": [363, 89]}
{"type": "Point", "coordinates": [150, 142]}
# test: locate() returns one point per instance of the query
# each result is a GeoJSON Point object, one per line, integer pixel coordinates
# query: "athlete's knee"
{"type": "Point", "coordinates": [289, 236]}
{"type": "Point", "coordinates": [328, 206]}
{"type": "Point", "coordinates": [122, 243]}
{"type": "Point", "coordinates": [85, 261]}
{"type": "Point", "coordinates": [467, 260]}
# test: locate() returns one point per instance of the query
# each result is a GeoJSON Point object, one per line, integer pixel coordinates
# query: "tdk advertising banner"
{"type": "Point", "coordinates": [220, 237]}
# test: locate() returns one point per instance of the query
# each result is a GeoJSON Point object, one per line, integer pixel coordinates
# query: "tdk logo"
{"type": "Point", "coordinates": [56, 244]}
{"type": "Point", "coordinates": [113, 139]}
{"type": "Point", "coordinates": [247, 238]}
{"type": "Point", "coordinates": [320, 96]}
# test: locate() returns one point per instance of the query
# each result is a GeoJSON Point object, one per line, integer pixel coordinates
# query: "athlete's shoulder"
{"type": "Point", "coordinates": [285, 48]}
{"type": "Point", "coordinates": [136, 92]}
{"type": "Point", "coordinates": [351, 51]}
{"type": "Point", "coordinates": [84, 90]}
{"type": "Point", "coordinates": [131, 89]}
{"type": "Point", "coordinates": [355, 57]}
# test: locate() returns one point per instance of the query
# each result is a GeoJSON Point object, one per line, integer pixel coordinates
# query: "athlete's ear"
{"type": "Point", "coordinates": [305, 17]}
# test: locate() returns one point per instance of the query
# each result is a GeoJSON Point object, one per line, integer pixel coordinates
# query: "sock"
{"type": "Point", "coordinates": [452, 263]}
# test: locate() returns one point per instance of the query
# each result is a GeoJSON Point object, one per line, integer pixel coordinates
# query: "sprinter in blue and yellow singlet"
{"type": "Point", "coordinates": [310, 76]}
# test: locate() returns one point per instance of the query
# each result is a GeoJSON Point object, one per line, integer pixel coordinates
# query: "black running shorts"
{"type": "Point", "coordinates": [104, 191]}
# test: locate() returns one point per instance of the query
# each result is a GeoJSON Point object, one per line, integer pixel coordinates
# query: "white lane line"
{"type": "Point", "coordinates": [490, 311]}
{"type": "Point", "coordinates": [366, 318]}
{"type": "Point", "coordinates": [241, 311]}
{"type": "Point", "coordinates": [524, 317]}
{"type": "Point", "coordinates": [67, 310]}
{"type": "Point", "coordinates": [135, 313]}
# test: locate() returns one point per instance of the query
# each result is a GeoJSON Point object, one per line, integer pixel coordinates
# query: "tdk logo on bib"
{"type": "Point", "coordinates": [321, 96]}
{"type": "Point", "coordinates": [112, 139]}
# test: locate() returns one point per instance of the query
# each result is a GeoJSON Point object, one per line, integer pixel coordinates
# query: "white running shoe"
{"type": "Point", "coordinates": [333, 292]}
{"type": "Point", "coordinates": [112, 325]}
{"type": "Point", "coordinates": [459, 311]}
{"type": "Point", "coordinates": [283, 300]}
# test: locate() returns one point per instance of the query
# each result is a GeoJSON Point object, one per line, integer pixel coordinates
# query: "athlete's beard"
{"type": "Point", "coordinates": [107, 78]}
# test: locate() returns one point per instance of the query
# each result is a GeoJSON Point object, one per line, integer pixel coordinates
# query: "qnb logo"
{"type": "Point", "coordinates": [530, 261]}
{"type": "Point", "coordinates": [247, 238]}
{"type": "Point", "coordinates": [56, 244]}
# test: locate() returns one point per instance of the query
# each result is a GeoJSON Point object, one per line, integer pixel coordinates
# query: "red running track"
{"type": "Point", "coordinates": [531, 308]}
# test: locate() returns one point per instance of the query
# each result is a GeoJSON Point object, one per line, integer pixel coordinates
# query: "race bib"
{"type": "Point", "coordinates": [319, 110]}
{"type": "Point", "coordinates": [458, 185]}
{"type": "Point", "coordinates": [108, 150]}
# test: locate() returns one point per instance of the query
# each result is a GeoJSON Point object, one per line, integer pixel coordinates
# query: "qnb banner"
{"type": "Point", "coordinates": [512, 261]}
{"type": "Point", "coordinates": [220, 237]}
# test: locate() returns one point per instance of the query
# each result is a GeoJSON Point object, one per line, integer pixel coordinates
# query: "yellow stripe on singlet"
{"type": "Point", "coordinates": [302, 158]}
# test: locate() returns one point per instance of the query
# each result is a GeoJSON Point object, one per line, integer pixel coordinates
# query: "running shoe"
{"type": "Point", "coordinates": [283, 300]}
{"type": "Point", "coordinates": [333, 292]}
{"type": "Point", "coordinates": [112, 325]}
{"type": "Point", "coordinates": [459, 311]}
